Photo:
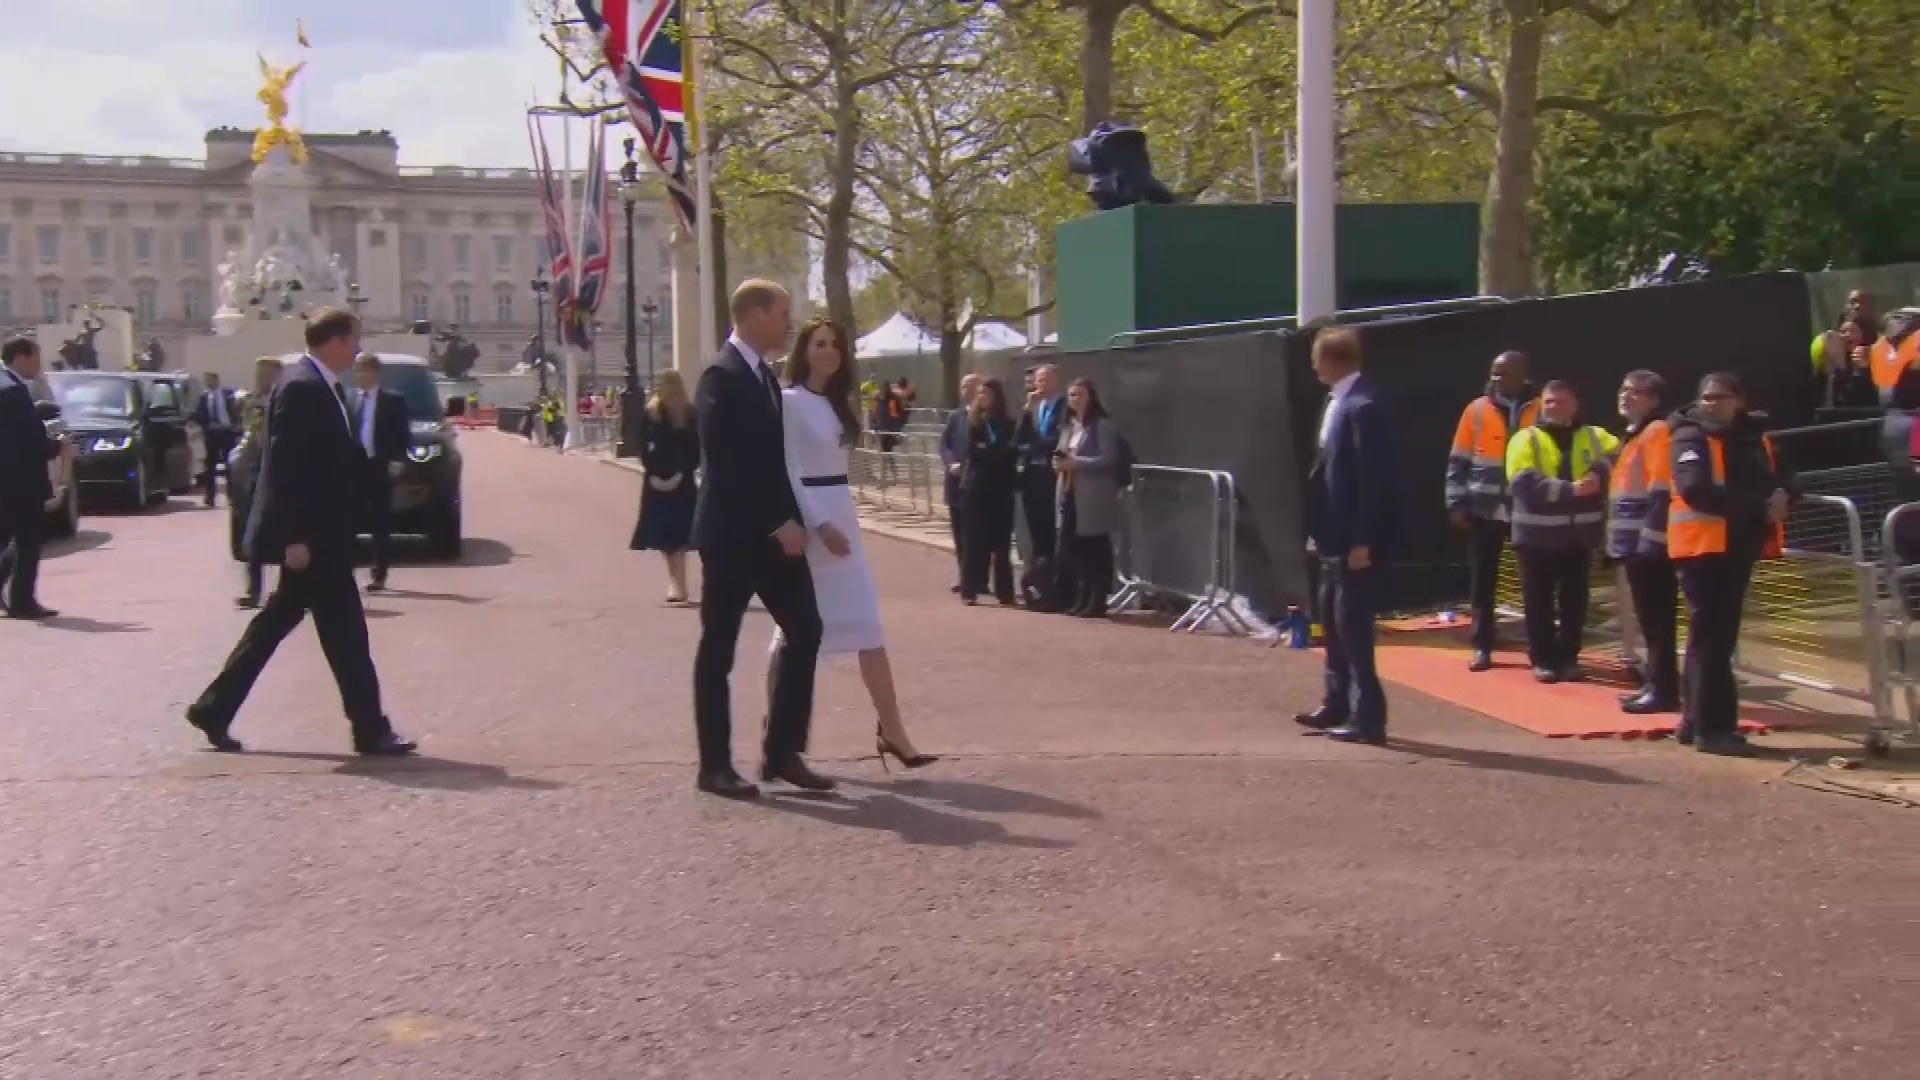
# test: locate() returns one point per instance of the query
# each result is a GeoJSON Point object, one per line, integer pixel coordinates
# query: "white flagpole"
{"type": "Point", "coordinates": [1315, 193]}
{"type": "Point", "coordinates": [570, 407]}
{"type": "Point", "coordinates": [709, 337]}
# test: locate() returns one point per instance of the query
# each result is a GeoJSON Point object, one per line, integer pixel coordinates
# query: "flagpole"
{"type": "Point", "coordinates": [709, 337]}
{"type": "Point", "coordinates": [571, 223]}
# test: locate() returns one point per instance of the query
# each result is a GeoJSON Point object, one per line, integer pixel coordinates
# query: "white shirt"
{"type": "Point", "coordinates": [1339, 391]}
{"type": "Point", "coordinates": [760, 369]}
{"type": "Point", "coordinates": [334, 387]}
{"type": "Point", "coordinates": [217, 406]}
{"type": "Point", "coordinates": [367, 399]}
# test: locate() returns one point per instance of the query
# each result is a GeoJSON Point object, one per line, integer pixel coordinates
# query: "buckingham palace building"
{"type": "Point", "coordinates": [457, 247]}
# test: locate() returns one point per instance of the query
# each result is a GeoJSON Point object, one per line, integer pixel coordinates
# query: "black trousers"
{"type": "Point", "coordinates": [379, 493]}
{"type": "Point", "coordinates": [326, 590]}
{"type": "Point", "coordinates": [21, 534]}
{"type": "Point", "coordinates": [219, 443]}
{"type": "Point", "coordinates": [1349, 601]}
{"type": "Point", "coordinates": [955, 527]}
{"type": "Point", "coordinates": [1656, 603]}
{"type": "Point", "coordinates": [1038, 501]}
{"type": "Point", "coordinates": [729, 579]}
{"type": "Point", "coordinates": [1485, 541]}
{"type": "Point", "coordinates": [1554, 588]}
{"type": "Point", "coordinates": [256, 578]}
{"type": "Point", "coordinates": [987, 542]}
{"type": "Point", "coordinates": [1716, 592]}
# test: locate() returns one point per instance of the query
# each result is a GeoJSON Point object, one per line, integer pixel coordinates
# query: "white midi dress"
{"type": "Point", "coordinates": [842, 586]}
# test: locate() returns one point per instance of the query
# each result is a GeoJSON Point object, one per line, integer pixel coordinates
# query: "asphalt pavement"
{"type": "Point", "coordinates": [1129, 866]}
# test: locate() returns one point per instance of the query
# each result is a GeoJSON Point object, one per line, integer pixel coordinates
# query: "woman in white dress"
{"type": "Point", "coordinates": [821, 428]}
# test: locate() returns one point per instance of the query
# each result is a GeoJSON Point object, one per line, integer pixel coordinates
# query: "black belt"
{"type": "Point", "coordinates": [824, 481]}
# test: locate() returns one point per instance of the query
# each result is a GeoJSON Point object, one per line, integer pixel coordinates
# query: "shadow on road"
{"type": "Point", "coordinates": [474, 551]}
{"type": "Point", "coordinates": [420, 772]}
{"type": "Point", "coordinates": [417, 594]}
{"type": "Point", "coordinates": [81, 625]}
{"type": "Point", "coordinates": [912, 822]}
{"type": "Point", "coordinates": [980, 798]}
{"type": "Point", "coordinates": [84, 540]}
{"type": "Point", "coordinates": [1514, 763]}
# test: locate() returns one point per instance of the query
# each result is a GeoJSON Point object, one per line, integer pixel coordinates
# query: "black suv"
{"type": "Point", "coordinates": [130, 438]}
{"type": "Point", "coordinates": [426, 493]}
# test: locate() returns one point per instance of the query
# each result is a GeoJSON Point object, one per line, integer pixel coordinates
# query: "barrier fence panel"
{"type": "Point", "coordinates": [1176, 539]}
{"type": "Point", "coordinates": [1812, 615]}
{"type": "Point", "coordinates": [1899, 595]}
{"type": "Point", "coordinates": [898, 482]}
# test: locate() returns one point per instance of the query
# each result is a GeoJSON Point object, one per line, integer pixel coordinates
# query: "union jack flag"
{"type": "Point", "coordinates": [559, 251]}
{"type": "Point", "coordinates": [596, 243]}
{"type": "Point", "coordinates": [641, 40]}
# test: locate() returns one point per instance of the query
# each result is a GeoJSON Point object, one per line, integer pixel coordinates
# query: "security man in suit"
{"type": "Point", "coordinates": [1352, 520]}
{"type": "Point", "coordinates": [953, 460]}
{"type": "Point", "coordinates": [25, 487]}
{"type": "Point", "coordinates": [380, 426]}
{"type": "Point", "coordinates": [1557, 474]}
{"type": "Point", "coordinates": [1038, 436]}
{"type": "Point", "coordinates": [1477, 498]}
{"type": "Point", "coordinates": [215, 412]}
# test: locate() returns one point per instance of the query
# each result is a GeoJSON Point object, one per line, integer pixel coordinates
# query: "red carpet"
{"type": "Point", "coordinates": [1586, 710]}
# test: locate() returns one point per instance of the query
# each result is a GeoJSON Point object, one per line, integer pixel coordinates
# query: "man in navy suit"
{"type": "Point", "coordinates": [1350, 503]}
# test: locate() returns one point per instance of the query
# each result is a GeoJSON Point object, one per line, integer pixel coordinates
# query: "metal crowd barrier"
{"type": "Point", "coordinates": [1899, 598]}
{"type": "Point", "coordinates": [897, 481]}
{"type": "Point", "coordinates": [1176, 540]}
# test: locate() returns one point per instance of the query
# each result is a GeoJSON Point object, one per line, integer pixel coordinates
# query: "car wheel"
{"type": "Point", "coordinates": [140, 494]}
{"type": "Point", "coordinates": [444, 538]}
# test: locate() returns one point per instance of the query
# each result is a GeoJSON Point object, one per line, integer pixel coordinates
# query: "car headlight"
{"type": "Point", "coordinates": [111, 442]}
{"type": "Point", "coordinates": [422, 453]}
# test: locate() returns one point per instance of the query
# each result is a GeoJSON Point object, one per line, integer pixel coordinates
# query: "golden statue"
{"type": "Point", "coordinates": [273, 94]}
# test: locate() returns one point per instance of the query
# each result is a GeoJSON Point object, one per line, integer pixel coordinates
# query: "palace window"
{"type": "Point", "coordinates": [50, 304]}
{"type": "Point", "coordinates": [143, 247]}
{"type": "Point", "coordinates": [462, 253]}
{"type": "Point", "coordinates": [419, 306]}
{"type": "Point", "coordinates": [190, 304]}
{"type": "Point", "coordinates": [47, 238]}
{"type": "Point", "coordinates": [146, 307]}
{"type": "Point", "coordinates": [503, 308]}
{"type": "Point", "coordinates": [462, 308]}
{"type": "Point", "coordinates": [417, 252]}
{"type": "Point", "coordinates": [6, 306]}
{"type": "Point", "coordinates": [502, 253]}
{"type": "Point", "coordinates": [6, 242]}
{"type": "Point", "coordinates": [193, 247]}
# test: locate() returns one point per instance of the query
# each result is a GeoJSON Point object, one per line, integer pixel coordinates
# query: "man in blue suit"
{"type": "Point", "coordinates": [1350, 514]}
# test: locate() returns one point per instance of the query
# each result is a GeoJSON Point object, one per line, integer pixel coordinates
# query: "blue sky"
{"type": "Point", "coordinates": [450, 78]}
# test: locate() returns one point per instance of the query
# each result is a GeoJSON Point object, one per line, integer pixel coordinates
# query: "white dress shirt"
{"type": "Point", "coordinates": [334, 387]}
{"type": "Point", "coordinates": [1339, 391]}
{"type": "Point", "coordinates": [217, 407]}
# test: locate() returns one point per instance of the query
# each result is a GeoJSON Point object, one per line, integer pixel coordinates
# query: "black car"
{"type": "Point", "coordinates": [131, 441]}
{"type": "Point", "coordinates": [426, 493]}
{"type": "Point", "coordinates": [171, 397]}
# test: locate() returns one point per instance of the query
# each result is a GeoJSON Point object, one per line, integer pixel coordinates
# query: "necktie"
{"type": "Point", "coordinates": [773, 384]}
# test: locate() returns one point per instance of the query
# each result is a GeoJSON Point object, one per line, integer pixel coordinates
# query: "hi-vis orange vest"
{"type": "Point", "coordinates": [1477, 464]}
{"type": "Point", "coordinates": [1691, 534]}
{"type": "Point", "coordinates": [1889, 362]}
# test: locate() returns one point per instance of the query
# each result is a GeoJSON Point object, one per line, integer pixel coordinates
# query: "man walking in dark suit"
{"type": "Point", "coordinates": [1350, 494]}
{"type": "Point", "coordinates": [305, 505]}
{"type": "Point", "coordinates": [25, 486]}
{"type": "Point", "coordinates": [380, 427]}
{"type": "Point", "coordinates": [746, 526]}
{"type": "Point", "coordinates": [219, 427]}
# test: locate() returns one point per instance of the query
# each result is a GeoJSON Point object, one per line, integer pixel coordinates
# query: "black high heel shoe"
{"type": "Point", "coordinates": [881, 748]}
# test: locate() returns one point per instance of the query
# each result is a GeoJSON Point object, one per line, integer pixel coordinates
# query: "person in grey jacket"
{"type": "Point", "coordinates": [953, 459]}
{"type": "Point", "coordinates": [1088, 460]}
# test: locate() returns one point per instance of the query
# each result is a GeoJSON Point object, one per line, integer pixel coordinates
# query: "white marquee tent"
{"type": "Point", "coordinates": [898, 336]}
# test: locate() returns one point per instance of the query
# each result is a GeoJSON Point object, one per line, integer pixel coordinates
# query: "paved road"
{"type": "Point", "coordinates": [1132, 868]}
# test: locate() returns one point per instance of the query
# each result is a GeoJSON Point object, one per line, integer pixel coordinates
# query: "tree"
{"type": "Point", "coordinates": [793, 79]}
{"type": "Point", "coordinates": [935, 214]}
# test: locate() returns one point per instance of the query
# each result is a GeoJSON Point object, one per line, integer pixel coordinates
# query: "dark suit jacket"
{"type": "Point", "coordinates": [309, 487]}
{"type": "Point", "coordinates": [745, 493]}
{"type": "Point", "coordinates": [25, 450]}
{"type": "Point", "coordinates": [203, 410]}
{"type": "Point", "coordinates": [1037, 441]}
{"type": "Point", "coordinates": [1352, 487]}
{"type": "Point", "coordinates": [390, 434]}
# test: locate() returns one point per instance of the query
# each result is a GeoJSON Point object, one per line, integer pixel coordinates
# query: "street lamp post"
{"type": "Point", "coordinates": [630, 406]}
{"type": "Point", "coordinates": [540, 285]}
{"type": "Point", "coordinates": [355, 298]}
{"type": "Point", "coordinates": [651, 309]}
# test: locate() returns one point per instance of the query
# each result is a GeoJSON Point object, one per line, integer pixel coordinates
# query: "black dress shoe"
{"type": "Point", "coordinates": [31, 613]}
{"type": "Point", "coordinates": [389, 744]}
{"type": "Point", "coordinates": [1354, 733]}
{"type": "Point", "coordinates": [214, 730]}
{"type": "Point", "coordinates": [1572, 673]}
{"type": "Point", "coordinates": [796, 772]}
{"type": "Point", "coordinates": [1545, 675]}
{"type": "Point", "coordinates": [1482, 660]}
{"type": "Point", "coordinates": [246, 601]}
{"type": "Point", "coordinates": [377, 585]}
{"type": "Point", "coordinates": [1726, 746]}
{"type": "Point", "coordinates": [1683, 735]}
{"type": "Point", "coordinates": [1319, 721]}
{"type": "Point", "coordinates": [727, 784]}
{"type": "Point", "coordinates": [1648, 704]}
